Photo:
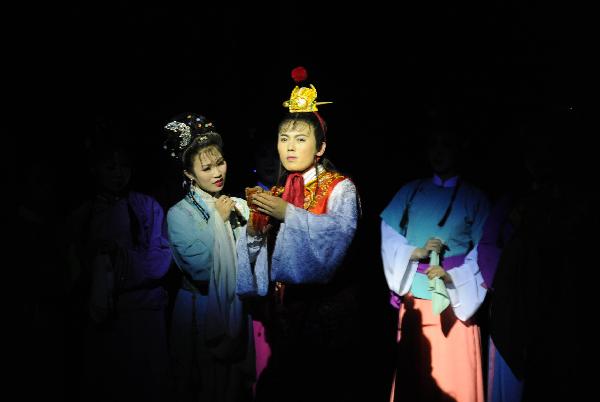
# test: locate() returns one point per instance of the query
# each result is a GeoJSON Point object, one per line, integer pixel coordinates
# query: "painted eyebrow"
{"type": "Point", "coordinates": [221, 159]}
{"type": "Point", "coordinates": [297, 135]}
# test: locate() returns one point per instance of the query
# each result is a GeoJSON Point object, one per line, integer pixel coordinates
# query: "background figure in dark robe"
{"type": "Point", "coordinates": [536, 174]}
{"type": "Point", "coordinates": [538, 295]}
{"type": "Point", "coordinates": [118, 256]}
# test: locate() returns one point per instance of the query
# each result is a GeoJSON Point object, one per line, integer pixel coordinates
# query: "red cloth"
{"type": "Point", "coordinates": [294, 190]}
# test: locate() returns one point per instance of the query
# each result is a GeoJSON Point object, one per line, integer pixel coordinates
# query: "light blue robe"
{"type": "Point", "coordinates": [308, 248]}
{"type": "Point", "coordinates": [221, 327]}
{"type": "Point", "coordinates": [460, 234]}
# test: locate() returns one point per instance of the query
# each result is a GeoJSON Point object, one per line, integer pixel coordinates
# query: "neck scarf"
{"type": "Point", "coordinates": [294, 190]}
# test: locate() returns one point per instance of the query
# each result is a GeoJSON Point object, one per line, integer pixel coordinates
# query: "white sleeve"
{"type": "Point", "coordinates": [467, 289]}
{"type": "Point", "coordinates": [395, 252]}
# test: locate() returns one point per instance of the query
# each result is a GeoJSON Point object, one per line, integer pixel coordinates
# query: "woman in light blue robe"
{"type": "Point", "coordinates": [211, 343]}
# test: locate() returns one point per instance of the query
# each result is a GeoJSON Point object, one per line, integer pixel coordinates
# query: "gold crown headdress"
{"type": "Point", "coordinates": [302, 99]}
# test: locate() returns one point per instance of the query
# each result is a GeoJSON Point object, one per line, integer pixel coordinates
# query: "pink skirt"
{"type": "Point", "coordinates": [439, 355]}
{"type": "Point", "coordinates": [263, 350]}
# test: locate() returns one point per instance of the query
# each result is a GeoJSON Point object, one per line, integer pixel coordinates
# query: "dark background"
{"type": "Point", "coordinates": [393, 70]}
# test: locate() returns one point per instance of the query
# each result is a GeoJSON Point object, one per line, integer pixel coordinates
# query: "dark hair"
{"type": "Point", "coordinates": [313, 120]}
{"type": "Point", "coordinates": [197, 146]}
{"type": "Point", "coordinates": [110, 136]}
{"type": "Point", "coordinates": [101, 152]}
{"type": "Point", "coordinates": [449, 135]}
{"type": "Point", "coordinates": [187, 135]}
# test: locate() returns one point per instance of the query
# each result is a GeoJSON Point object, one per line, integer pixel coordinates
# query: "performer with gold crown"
{"type": "Point", "coordinates": [291, 266]}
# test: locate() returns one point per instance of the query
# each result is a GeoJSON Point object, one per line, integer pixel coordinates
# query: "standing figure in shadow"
{"type": "Point", "coordinates": [540, 244]}
{"type": "Point", "coordinates": [429, 232]}
{"type": "Point", "coordinates": [119, 255]}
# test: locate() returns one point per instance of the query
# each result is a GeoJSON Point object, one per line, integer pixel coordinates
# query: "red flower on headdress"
{"type": "Point", "coordinates": [299, 74]}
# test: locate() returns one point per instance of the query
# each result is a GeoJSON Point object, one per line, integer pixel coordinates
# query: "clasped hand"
{"type": "Point", "coordinates": [432, 244]}
{"type": "Point", "coordinates": [435, 271]}
{"type": "Point", "coordinates": [224, 205]}
{"type": "Point", "coordinates": [270, 205]}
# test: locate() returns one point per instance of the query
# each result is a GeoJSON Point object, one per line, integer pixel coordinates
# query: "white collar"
{"type": "Point", "coordinates": [197, 191]}
{"type": "Point", "coordinates": [311, 173]}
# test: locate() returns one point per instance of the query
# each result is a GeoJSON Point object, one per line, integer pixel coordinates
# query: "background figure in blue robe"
{"type": "Point", "coordinates": [118, 257]}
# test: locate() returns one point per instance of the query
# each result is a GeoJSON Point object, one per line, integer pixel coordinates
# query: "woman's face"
{"type": "Point", "coordinates": [297, 146]}
{"type": "Point", "coordinates": [209, 170]}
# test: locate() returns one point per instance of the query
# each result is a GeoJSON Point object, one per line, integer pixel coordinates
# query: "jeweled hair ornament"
{"type": "Point", "coordinates": [183, 130]}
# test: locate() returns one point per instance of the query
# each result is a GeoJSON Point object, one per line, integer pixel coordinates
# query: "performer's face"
{"type": "Point", "coordinates": [113, 172]}
{"type": "Point", "coordinates": [209, 170]}
{"type": "Point", "coordinates": [297, 146]}
{"type": "Point", "coordinates": [443, 151]}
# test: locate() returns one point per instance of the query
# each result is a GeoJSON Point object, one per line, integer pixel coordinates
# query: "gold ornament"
{"type": "Point", "coordinates": [303, 99]}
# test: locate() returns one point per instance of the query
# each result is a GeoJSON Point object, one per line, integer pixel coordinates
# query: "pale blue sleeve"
{"type": "Point", "coordinates": [252, 265]}
{"type": "Point", "coordinates": [191, 241]}
{"type": "Point", "coordinates": [310, 247]}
